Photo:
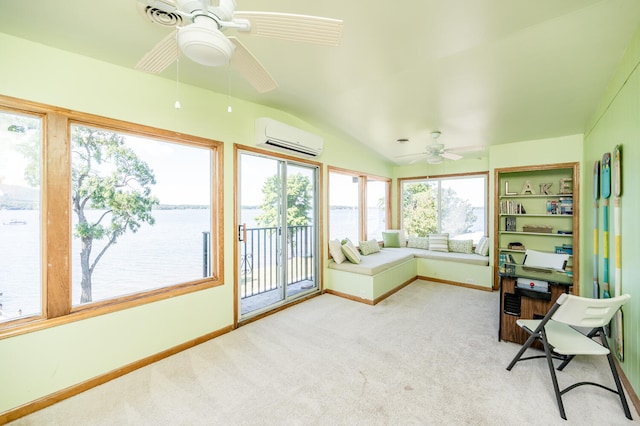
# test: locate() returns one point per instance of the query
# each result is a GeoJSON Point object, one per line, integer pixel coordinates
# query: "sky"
{"type": "Point", "coordinates": [12, 162]}
{"type": "Point", "coordinates": [183, 173]}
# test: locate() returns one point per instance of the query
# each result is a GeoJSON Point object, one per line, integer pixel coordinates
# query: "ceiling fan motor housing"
{"type": "Point", "coordinates": [204, 43]}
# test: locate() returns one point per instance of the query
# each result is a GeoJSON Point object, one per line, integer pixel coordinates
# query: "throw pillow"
{"type": "Point", "coordinates": [418, 242]}
{"type": "Point", "coordinates": [485, 248]}
{"type": "Point", "coordinates": [351, 252]}
{"type": "Point", "coordinates": [335, 250]}
{"type": "Point", "coordinates": [369, 247]}
{"type": "Point", "coordinates": [482, 248]}
{"type": "Point", "coordinates": [439, 242]}
{"type": "Point", "coordinates": [391, 239]}
{"type": "Point", "coordinates": [401, 237]}
{"type": "Point", "coordinates": [461, 246]}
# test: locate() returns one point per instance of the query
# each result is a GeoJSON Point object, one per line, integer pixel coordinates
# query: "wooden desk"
{"type": "Point", "coordinates": [516, 303]}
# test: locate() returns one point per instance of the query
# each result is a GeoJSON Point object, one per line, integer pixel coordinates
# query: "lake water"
{"type": "Point", "coordinates": [164, 254]}
{"type": "Point", "coordinates": [167, 253]}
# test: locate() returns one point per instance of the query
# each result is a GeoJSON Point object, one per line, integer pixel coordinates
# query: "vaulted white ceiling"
{"type": "Point", "coordinates": [480, 71]}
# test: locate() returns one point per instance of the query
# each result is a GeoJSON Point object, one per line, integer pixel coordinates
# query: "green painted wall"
{"type": "Point", "coordinates": [37, 364]}
{"type": "Point", "coordinates": [618, 122]}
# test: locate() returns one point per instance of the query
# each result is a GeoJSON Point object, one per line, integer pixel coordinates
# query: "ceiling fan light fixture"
{"type": "Point", "coordinates": [436, 159]}
{"type": "Point", "coordinates": [204, 44]}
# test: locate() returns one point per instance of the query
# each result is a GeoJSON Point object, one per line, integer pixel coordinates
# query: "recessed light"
{"type": "Point", "coordinates": [402, 140]}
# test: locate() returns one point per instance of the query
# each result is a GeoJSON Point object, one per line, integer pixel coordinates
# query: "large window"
{"type": "Point", "coordinates": [121, 215]}
{"type": "Point", "coordinates": [456, 205]}
{"type": "Point", "coordinates": [141, 213]}
{"type": "Point", "coordinates": [20, 216]}
{"type": "Point", "coordinates": [358, 205]}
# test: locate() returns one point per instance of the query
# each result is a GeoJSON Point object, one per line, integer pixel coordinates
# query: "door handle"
{"type": "Point", "coordinates": [242, 232]}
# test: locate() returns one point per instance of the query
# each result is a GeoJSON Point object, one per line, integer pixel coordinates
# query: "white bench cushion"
{"type": "Point", "coordinates": [375, 263]}
{"type": "Point", "coordinates": [388, 257]}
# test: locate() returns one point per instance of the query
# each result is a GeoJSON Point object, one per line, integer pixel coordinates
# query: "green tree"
{"type": "Point", "coordinates": [109, 177]}
{"type": "Point", "coordinates": [457, 213]}
{"type": "Point", "coordinates": [419, 210]}
{"type": "Point", "coordinates": [298, 201]}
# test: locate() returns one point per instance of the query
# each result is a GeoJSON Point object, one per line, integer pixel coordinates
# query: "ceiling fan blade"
{"type": "Point", "coordinates": [251, 69]}
{"type": "Point", "coordinates": [417, 154]}
{"type": "Point", "coordinates": [418, 159]}
{"type": "Point", "coordinates": [287, 26]}
{"type": "Point", "coordinates": [160, 56]}
{"type": "Point", "coordinates": [451, 155]}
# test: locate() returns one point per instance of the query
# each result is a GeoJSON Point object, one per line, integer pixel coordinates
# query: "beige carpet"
{"type": "Point", "coordinates": [429, 354]}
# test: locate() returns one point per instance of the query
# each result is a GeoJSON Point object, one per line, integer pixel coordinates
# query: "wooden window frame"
{"type": "Point", "coordinates": [56, 217]}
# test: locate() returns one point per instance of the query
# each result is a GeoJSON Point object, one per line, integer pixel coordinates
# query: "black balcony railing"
{"type": "Point", "coordinates": [260, 258]}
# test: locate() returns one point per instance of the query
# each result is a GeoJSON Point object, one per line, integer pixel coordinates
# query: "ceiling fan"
{"type": "Point", "coordinates": [200, 28]}
{"type": "Point", "coordinates": [435, 152]}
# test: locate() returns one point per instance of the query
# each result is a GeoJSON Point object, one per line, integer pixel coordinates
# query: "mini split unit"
{"type": "Point", "coordinates": [282, 137]}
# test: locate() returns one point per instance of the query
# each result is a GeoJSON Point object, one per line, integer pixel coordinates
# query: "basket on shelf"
{"type": "Point", "coordinates": [542, 229]}
{"type": "Point", "coordinates": [516, 246]}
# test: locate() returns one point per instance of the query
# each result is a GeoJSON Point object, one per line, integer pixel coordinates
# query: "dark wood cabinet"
{"type": "Point", "coordinates": [520, 303]}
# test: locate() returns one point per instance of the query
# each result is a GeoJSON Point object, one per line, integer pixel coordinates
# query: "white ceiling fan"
{"type": "Point", "coordinates": [199, 35]}
{"type": "Point", "coordinates": [435, 152]}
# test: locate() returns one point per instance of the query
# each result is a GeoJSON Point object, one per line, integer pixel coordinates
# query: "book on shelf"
{"type": "Point", "coordinates": [564, 249]}
{"type": "Point", "coordinates": [511, 207]}
{"type": "Point", "coordinates": [566, 205]}
{"type": "Point", "coordinates": [506, 258]}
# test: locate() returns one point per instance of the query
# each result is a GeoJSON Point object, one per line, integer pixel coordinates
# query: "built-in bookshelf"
{"type": "Point", "coordinates": [536, 207]}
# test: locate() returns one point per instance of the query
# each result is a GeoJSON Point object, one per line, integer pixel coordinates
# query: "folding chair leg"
{"type": "Point", "coordinates": [616, 379]}
{"type": "Point", "coordinates": [552, 372]}
{"type": "Point", "coordinates": [522, 350]}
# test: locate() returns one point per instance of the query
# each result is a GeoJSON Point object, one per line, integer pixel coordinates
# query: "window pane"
{"type": "Point", "coordinates": [20, 239]}
{"type": "Point", "coordinates": [463, 207]}
{"type": "Point", "coordinates": [376, 208]}
{"type": "Point", "coordinates": [344, 209]}
{"type": "Point", "coordinates": [455, 205]}
{"type": "Point", "coordinates": [419, 208]}
{"type": "Point", "coordinates": [141, 214]}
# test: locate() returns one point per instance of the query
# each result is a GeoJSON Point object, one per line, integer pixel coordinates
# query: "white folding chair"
{"type": "Point", "coordinates": [561, 341]}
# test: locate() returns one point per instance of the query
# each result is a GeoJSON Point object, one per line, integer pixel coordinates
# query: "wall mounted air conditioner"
{"type": "Point", "coordinates": [282, 137]}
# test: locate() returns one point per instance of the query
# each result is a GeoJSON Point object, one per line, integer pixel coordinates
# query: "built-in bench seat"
{"type": "Point", "coordinates": [379, 275]}
{"type": "Point", "coordinates": [375, 263]}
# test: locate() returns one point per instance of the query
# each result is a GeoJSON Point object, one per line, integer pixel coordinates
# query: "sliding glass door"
{"type": "Point", "coordinates": [277, 231]}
